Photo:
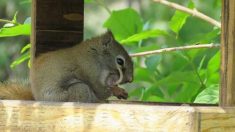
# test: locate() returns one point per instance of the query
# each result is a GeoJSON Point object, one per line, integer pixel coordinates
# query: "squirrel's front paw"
{"type": "Point", "coordinates": [120, 93]}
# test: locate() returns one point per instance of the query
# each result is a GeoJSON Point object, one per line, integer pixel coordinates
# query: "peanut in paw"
{"type": "Point", "coordinates": [120, 93]}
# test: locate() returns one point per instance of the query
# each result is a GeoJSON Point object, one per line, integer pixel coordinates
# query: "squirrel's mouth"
{"type": "Point", "coordinates": [112, 80]}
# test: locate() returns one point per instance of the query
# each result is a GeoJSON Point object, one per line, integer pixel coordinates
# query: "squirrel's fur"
{"type": "Point", "coordinates": [15, 91]}
{"type": "Point", "coordinates": [87, 72]}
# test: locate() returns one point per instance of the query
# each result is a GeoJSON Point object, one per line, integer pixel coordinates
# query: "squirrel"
{"type": "Point", "coordinates": [87, 72]}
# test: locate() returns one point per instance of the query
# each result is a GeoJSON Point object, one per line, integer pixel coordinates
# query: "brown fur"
{"type": "Point", "coordinates": [87, 72]}
{"type": "Point", "coordinates": [15, 91]}
{"type": "Point", "coordinates": [83, 73]}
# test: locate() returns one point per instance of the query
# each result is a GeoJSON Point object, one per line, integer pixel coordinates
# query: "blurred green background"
{"type": "Point", "coordinates": [181, 76]}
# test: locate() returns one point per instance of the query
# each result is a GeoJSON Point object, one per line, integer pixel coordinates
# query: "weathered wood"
{"type": "Point", "coordinates": [48, 116]}
{"type": "Point", "coordinates": [215, 119]}
{"type": "Point", "coordinates": [227, 92]}
{"type": "Point", "coordinates": [57, 20]}
{"type": "Point", "coordinates": [41, 116]}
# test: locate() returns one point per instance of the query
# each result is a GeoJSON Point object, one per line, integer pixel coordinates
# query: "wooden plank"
{"type": "Point", "coordinates": [59, 15]}
{"type": "Point", "coordinates": [58, 20]}
{"type": "Point", "coordinates": [216, 119]}
{"type": "Point", "coordinates": [49, 39]}
{"type": "Point", "coordinates": [51, 116]}
{"type": "Point", "coordinates": [227, 92]}
{"type": "Point", "coordinates": [47, 116]}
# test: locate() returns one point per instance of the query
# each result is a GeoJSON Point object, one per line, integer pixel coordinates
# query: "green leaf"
{"type": "Point", "coordinates": [21, 59]}
{"type": "Point", "coordinates": [137, 92]}
{"type": "Point", "coordinates": [124, 23]}
{"type": "Point", "coordinates": [153, 98]}
{"type": "Point", "coordinates": [88, 1]}
{"type": "Point", "coordinates": [152, 91]}
{"type": "Point", "coordinates": [209, 95]}
{"type": "Point", "coordinates": [179, 19]}
{"type": "Point", "coordinates": [16, 30]}
{"type": "Point", "coordinates": [143, 74]}
{"type": "Point", "coordinates": [201, 63]}
{"type": "Point", "coordinates": [15, 18]}
{"type": "Point", "coordinates": [152, 62]}
{"type": "Point", "coordinates": [27, 20]}
{"type": "Point", "coordinates": [144, 35]}
{"type": "Point", "coordinates": [214, 63]}
{"type": "Point", "coordinates": [25, 2]}
{"type": "Point", "coordinates": [213, 68]}
{"type": "Point", "coordinates": [145, 48]}
{"type": "Point", "coordinates": [25, 48]}
{"type": "Point", "coordinates": [180, 77]}
{"type": "Point", "coordinates": [209, 37]}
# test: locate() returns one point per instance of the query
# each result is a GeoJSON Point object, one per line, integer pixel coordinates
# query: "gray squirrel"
{"type": "Point", "coordinates": [87, 72]}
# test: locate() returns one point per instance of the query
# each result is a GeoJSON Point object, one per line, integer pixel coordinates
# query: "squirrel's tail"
{"type": "Point", "coordinates": [15, 91]}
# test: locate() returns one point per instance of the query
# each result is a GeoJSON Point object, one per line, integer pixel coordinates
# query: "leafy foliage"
{"type": "Point", "coordinates": [181, 76]}
{"type": "Point", "coordinates": [124, 23]}
{"type": "Point", "coordinates": [179, 19]}
{"type": "Point", "coordinates": [13, 28]}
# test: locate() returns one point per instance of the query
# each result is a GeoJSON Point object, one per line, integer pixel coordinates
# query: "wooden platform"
{"type": "Point", "coordinates": [72, 117]}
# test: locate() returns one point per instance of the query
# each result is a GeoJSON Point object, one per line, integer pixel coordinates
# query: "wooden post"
{"type": "Point", "coordinates": [56, 24]}
{"type": "Point", "coordinates": [227, 92]}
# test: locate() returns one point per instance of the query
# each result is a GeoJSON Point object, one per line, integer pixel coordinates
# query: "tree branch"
{"type": "Point", "coordinates": [165, 50]}
{"type": "Point", "coordinates": [8, 21]}
{"type": "Point", "coordinates": [193, 12]}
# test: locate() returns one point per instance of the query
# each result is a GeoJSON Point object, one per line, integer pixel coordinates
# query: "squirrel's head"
{"type": "Point", "coordinates": [116, 60]}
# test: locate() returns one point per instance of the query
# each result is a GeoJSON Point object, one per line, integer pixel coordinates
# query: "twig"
{"type": "Point", "coordinates": [160, 51]}
{"type": "Point", "coordinates": [193, 12]}
{"type": "Point", "coordinates": [8, 21]}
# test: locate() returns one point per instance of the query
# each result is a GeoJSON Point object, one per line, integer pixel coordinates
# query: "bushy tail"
{"type": "Point", "coordinates": [15, 91]}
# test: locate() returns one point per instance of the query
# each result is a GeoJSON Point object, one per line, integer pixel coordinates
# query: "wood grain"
{"type": "Point", "coordinates": [227, 92]}
{"type": "Point", "coordinates": [54, 116]}
{"type": "Point", "coordinates": [216, 119]}
{"type": "Point", "coordinates": [56, 24]}
{"type": "Point", "coordinates": [46, 116]}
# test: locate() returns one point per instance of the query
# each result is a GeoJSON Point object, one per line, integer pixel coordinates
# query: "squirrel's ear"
{"type": "Point", "coordinates": [110, 34]}
{"type": "Point", "coordinates": [107, 38]}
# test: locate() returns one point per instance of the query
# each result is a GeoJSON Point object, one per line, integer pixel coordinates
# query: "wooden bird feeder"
{"type": "Point", "coordinates": [59, 24]}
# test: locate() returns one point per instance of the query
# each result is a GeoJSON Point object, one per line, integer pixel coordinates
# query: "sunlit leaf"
{"type": "Point", "coordinates": [144, 35]}
{"type": "Point", "coordinates": [213, 67]}
{"type": "Point", "coordinates": [88, 1]}
{"type": "Point", "coordinates": [214, 63]}
{"type": "Point", "coordinates": [7, 25]}
{"type": "Point", "coordinates": [21, 59]}
{"type": "Point", "coordinates": [179, 19]}
{"type": "Point", "coordinates": [25, 48]}
{"type": "Point", "coordinates": [210, 95]}
{"type": "Point", "coordinates": [16, 30]}
{"type": "Point", "coordinates": [124, 23]}
{"type": "Point", "coordinates": [15, 18]}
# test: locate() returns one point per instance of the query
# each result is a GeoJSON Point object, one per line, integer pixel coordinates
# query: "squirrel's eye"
{"type": "Point", "coordinates": [120, 61]}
